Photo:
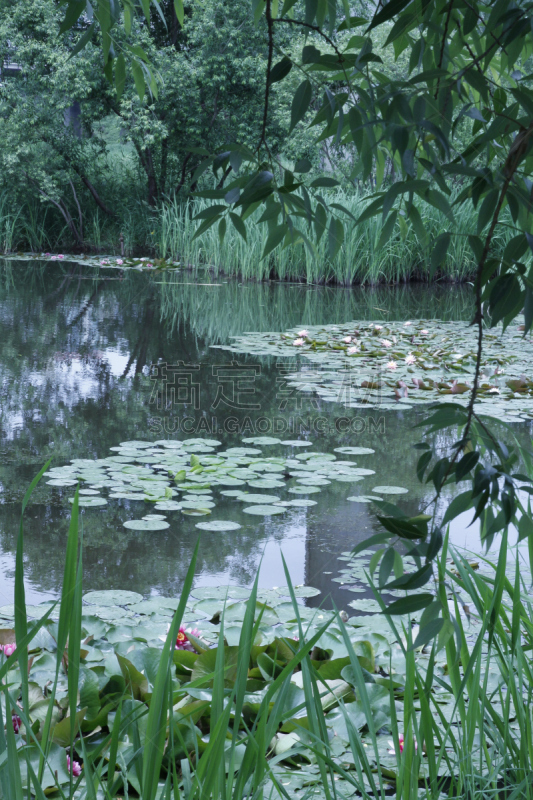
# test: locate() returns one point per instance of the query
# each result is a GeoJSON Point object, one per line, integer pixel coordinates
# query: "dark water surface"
{"type": "Point", "coordinates": [77, 349]}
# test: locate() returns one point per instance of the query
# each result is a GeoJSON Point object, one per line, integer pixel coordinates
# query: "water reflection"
{"type": "Point", "coordinates": [75, 356]}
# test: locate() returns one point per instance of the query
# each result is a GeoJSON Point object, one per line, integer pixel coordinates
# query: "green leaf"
{"type": "Point", "coordinates": [138, 77]}
{"type": "Point", "coordinates": [120, 75]}
{"type": "Point", "coordinates": [280, 70]}
{"type": "Point", "coordinates": [83, 40]}
{"type": "Point", "coordinates": [409, 605]}
{"type": "Point", "coordinates": [180, 13]}
{"type": "Point", "coordinates": [75, 9]}
{"type": "Point", "coordinates": [301, 102]}
{"type": "Point", "coordinates": [427, 633]}
{"type": "Point", "coordinates": [275, 237]}
{"type": "Point", "coordinates": [439, 252]}
{"type": "Point", "coordinates": [335, 237]}
{"type": "Point", "coordinates": [238, 224]}
{"type": "Point", "coordinates": [459, 505]}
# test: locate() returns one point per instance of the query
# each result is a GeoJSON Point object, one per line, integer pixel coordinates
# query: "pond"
{"type": "Point", "coordinates": [92, 358]}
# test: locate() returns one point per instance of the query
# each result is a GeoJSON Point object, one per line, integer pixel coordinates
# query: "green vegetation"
{"type": "Point", "coordinates": [309, 705]}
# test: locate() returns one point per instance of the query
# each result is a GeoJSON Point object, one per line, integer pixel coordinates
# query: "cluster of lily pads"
{"type": "Point", "coordinates": [371, 364]}
{"type": "Point", "coordinates": [112, 262]}
{"type": "Point", "coordinates": [180, 476]}
{"type": "Point", "coordinates": [122, 640]}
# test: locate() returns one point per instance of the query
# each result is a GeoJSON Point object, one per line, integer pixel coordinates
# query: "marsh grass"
{"type": "Point", "coordinates": [168, 232]}
{"type": "Point", "coordinates": [481, 748]}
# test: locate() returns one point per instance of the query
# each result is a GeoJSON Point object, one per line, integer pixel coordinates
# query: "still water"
{"type": "Point", "coordinates": [77, 354]}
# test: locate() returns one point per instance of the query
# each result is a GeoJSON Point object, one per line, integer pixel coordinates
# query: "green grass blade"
{"type": "Point", "coordinates": [157, 716]}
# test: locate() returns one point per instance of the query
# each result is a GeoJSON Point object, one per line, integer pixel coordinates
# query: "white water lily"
{"type": "Point", "coordinates": [298, 342]}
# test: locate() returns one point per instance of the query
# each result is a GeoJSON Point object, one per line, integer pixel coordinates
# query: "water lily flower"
{"type": "Point", "coordinates": [120, 261]}
{"type": "Point", "coordinates": [298, 342]}
{"type": "Point", "coordinates": [17, 722]}
{"type": "Point", "coordinates": [60, 255]}
{"type": "Point", "coordinates": [182, 640]}
{"type": "Point", "coordinates": [406, 324]}
{"type": "Point", "coordinates": [410, 359]}
{"type": "Point", "coordinates": [424, 331]}
{"type": "Point", "coordinates": [385, 343]}
{"type": "Point", "coordinates": [378, 327]}
{"type": "Point", "coordinates": [347, 339]}
{"type": "Point", "coordinates": [391, 365]}
{"type": "Point", "coordinates": [352, 350]}
{"type": "Point", "coordinates": [303, 333]}
{"type": "Point", "coordinates": [149, 264]}
{"type": "Point", "coordinates": [47, 255]}
{"type": "Point", "coordinates": [74, 767]}
{"type": "Point", "coordinates": [401, 743]}
{"type": "Point", "coordinates": [8, 649]}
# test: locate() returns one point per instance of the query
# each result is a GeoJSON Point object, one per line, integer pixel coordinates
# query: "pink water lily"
{"type": "Point", "coordinates": [378, 327]}
{"type": "Point", "coordinates": [298, 342]}
{"type": "Point", "coordinates": [385, 343]}
{"type": "Point", "coordinates": [120, 261]}
{"type": "Point", "coordinates": [347, 339]}
{"type": "Point", "coordinates": [401, 743]}
{"type": "Point", "coordinates": [74, 767]}
{"type": "Point", "coordinates": [303, 333]}
{"type": "Point", "coordinates": [352, 350]}
{"type": "Point", "coordinates": [8, 649]}
{"type": "Point", "coordinates": [17, 722]}
{"type": "Point", "coordinates": [410, 359]}
{"type": "Point", "coordinates": [182, 640]}
{"type": "Point", "coordinates": [424, 331]}
{"type": "Point", "coordinates": [391, 365]}
{"type": "Point", "coordinates": [406, 324]}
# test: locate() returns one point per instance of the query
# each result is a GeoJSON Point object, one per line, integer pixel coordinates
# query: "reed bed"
{"type": "Point", "coordinates": [168, 233]}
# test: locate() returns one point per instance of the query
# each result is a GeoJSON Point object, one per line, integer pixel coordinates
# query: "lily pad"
{"type": "Point", "coordinates": [259, 498]}
{"type": "Point", "coordinates": [390, 490]}
{"type": "Point", "coordinates": [111, 597]}
{"type": "Point", "coordinates": [304, 490]}
{"type": "Point", "coordinates": [262, 440]}
{"type": "Point", "coordinates": [363, 498]}
{"type": "Point", "coordinates": [218, 525]}
{"type": "Point", "coordinates": [146, 525]}
{"type": "Point", "coordinates": [154, 516]}
{"type": "Point", "coordinates": [264, 511]}
{"type": "Point", "coordinates": [90, 502]}
{"type": "Point", "coordinates": [354, 451]}
{"type": "Point", "coordinates": [168, 505]}
{"type": "Point", "coordinates": [61, 482]}
{"type": "Point", "coordinates": [266, 483]}
{"type": "Point", "coordinates": [297, 443]}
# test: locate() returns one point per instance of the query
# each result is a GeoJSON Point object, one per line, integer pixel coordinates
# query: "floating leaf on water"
{"type": "Point", "coordinates": [219, 525]}
{"type": "Point", "coordinates": [228, 481]}
{"type": "Point", "coordinates": [168, 505]}
{"type": "Point", "coordinates": [304, 490]}
{"type": "Point", "coordinates": [354, 451]}
{"type": "Point", "coordinates": [297, 443]}
{"type": "Point", "coordinates": [195, 512]}
{"type": "Point", "coordinates": [111, 597]}
{"type": "Point", "coordinates": [88, 491]}
{"type": "Point", "coordinates": [154, 516]}
{"type": "Point", "coordinates": [146, 525]}
{"type": "Point", "coordinates": [264, 511]}
{"type": "Point", "coordinates": [389, 490]}
{"type": "Point", "coordinates": [297, 503]}
{"type": "Point", "coordinates": [126, 496]}
{"type": "Point", "coordinates": [136, 444]}
{"type": "Point", "coordinates": [200, 502]}
{"type": "Point", "coordinates": [262, 440]}
{"type": "Point", "coordinates": [363, 498]}
{"type": "Point", "coordinates": [299, 591]}
{"type": "Point", "coordinates": [90, 502]}
{"type": "Point", "coordinates": [266, 483]}
{"type": "Point", "coordinates": [259, 498]}
{"type": "Point", "coordinates": [61, 482]}
{"type": "Point", "coordinates": [233, 493]}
